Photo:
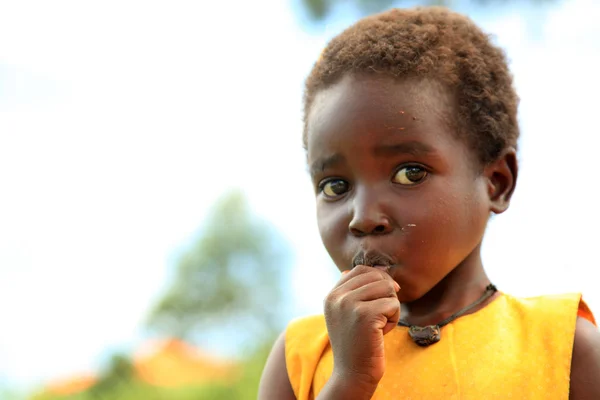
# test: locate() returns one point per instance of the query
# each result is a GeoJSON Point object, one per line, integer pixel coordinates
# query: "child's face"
{"type": "Point", "coordinates": [393, 180]}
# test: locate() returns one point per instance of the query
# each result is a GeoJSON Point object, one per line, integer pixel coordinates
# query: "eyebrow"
{"type": "Point", "coordinates": [414, 148]}
{"type": "Point", "coordinates": [322, 164]}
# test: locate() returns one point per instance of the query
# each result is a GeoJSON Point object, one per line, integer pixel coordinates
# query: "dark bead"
{"type": "Point", "coordinates": [425, 336]}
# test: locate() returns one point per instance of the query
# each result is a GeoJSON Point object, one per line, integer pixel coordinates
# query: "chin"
{"type": "Point", "coordinates": [411, 291]}
{"type": "Point", "coordinates": [406, 297]}
{"type": "Point", "coordinates": [408, 293]}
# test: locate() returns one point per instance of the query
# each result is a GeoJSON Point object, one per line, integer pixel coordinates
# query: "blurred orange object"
{"type": "Point", "coordinates": [162, 363]}
{"type": "Point", "coordinates": [71, 385]}
{"type": "Point", "coordinates": [172, 362]}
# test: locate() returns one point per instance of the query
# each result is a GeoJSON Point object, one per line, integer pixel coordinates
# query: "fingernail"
{"type": "Point", "coordinates": [396, 286]}
{"type": "Point", "coordinates": [345, 272]}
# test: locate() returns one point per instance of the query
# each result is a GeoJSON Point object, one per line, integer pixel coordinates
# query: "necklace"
{"type": "Point", "coordinates": [430, 334]}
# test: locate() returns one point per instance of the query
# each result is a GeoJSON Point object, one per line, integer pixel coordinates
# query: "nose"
{"type": "Point", "coordinates": [368, 218]}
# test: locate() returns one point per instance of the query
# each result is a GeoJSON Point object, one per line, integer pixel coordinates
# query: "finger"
{"type": "Point", "coordinates": [359, 281]}
{"type": "Point", "coordinates": [385, 273]}
{"type": "Point", "coordinates": [359, 270]}
{"type": "Point", "coordinates": [387, 307]}
{"type": "Point", "coordinates": [373, 290]}
{"type": "Point", "coordinates": [361, 275]}
{"type": "Point", "coordinates": [392, 320]}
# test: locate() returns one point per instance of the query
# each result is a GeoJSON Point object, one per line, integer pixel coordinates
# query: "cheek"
{"type": "Point", "coordinates": [475, 206]}
{"type": "Point", "coordinates": [333, 227]}
{"type": "Point", "coordinates": [465, 217]}
{"type": "Point", "coordinates": [448, 226]}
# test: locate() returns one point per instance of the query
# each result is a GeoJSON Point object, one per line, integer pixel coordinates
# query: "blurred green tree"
{"type": "Point", "coordinates": [230, 276]}
{"type": "Point", "coordinates": [118, 374]}
{"type": "Point", "coordinates": [320, 10]}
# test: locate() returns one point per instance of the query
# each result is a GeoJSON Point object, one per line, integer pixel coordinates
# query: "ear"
{"type": "Point", "coordinates": [502, 180]}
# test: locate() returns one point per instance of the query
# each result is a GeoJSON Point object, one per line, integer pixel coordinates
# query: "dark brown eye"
{"type": "Point", "coordinates": [334, 187]}
{"type": "Point", "coordinates": [410, 175]}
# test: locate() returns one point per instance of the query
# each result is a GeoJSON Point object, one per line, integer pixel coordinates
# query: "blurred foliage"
{"type": "Point", "coordinates": [116, 378]}
{"type": "Point", "coordinates": [233, 272]}
{"type": "Point", "coordinates": [320, 10]}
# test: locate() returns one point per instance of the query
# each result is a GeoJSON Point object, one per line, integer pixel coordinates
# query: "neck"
{"type": "Point", "coordinates": [463, 286]}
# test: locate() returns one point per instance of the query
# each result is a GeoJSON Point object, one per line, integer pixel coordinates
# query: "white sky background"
{"type": "Point", "coordinates": [122, 121]}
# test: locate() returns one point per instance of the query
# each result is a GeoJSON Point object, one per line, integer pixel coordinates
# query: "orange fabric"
{"type": "Point", "coordinates": [512, 349]}
{"type": "Point", "coordinates": [585, 312]}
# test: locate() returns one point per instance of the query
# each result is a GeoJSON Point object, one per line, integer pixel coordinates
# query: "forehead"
{"type": "Point", "coordinates": [364, 109]}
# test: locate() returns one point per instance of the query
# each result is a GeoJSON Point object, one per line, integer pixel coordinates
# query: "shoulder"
{"type": "Point", "coordinates": [557, 307]}
{"type": "Point", "coordinates": [275, 383]}
{"type": "Point", "coordinates": [545, 301]}
{"type": "Point", "coordinates": [305, 340]}
{"type": "Point", "coordinates": [568, 321]}
{"type": "Point", "coordinates": [298, 337]}
{"type": "Point", "coordinates": [585, 363]}
{"type": "Point", "coordinates": [579, 331]}
{"type": "Point", "coordinates": [306, 327]}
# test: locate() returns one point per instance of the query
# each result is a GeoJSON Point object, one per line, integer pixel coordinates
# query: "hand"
{"type": "Point", "coordinates": [360, 309]}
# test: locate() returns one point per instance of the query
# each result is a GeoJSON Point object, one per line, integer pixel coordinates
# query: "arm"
{"type": "Point", "coordinates": [585, 364]}
{"type": "Point", "coordinates": [275, 383]}
{"type": "Point", "coordinates": [359, 311]}
{"type": "Point", "coordinates": [341, 388]}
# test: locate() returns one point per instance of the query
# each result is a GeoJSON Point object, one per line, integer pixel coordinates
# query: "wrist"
{"type": "Point", "coordinates": [348, 385]}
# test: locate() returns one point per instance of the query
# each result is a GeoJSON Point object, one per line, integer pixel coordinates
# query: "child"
{"type": "Point", "coordinates": [411, 134]}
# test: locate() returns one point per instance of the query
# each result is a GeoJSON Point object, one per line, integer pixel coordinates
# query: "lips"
{"type": "Point", "coordinates": [372, 258]}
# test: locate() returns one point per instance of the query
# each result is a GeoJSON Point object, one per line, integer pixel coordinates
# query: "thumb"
{"type": "Point", "coordinates": [392, 320]}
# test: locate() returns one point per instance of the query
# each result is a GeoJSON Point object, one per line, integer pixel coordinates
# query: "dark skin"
{"type": "Point", "coordinates": [393, 181]}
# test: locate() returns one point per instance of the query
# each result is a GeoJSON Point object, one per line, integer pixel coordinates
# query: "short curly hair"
{"type": "Point", "coordinates": [430, 43]}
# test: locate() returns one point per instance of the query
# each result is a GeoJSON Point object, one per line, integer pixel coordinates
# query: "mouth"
{"type": "Point", "coordinates": [373, 258]}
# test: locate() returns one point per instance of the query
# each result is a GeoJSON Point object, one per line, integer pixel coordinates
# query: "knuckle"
{"type": "Point", "coordinates": [360, 312]}
{"type": "Point", "coordinates": [393, 303]}
{"type": "Point", "coordinates": [329, 301]}
{"type": "Point", "coordinates": [381, 275]}
{"type": "Point", "coordinates": [344, 302]}
{"type": "Point", "coordinates": [361, 269]}
{"type": "Point", "coordinates": [391, 290]}
{"type": "Point", "coordinates": [384, 273]}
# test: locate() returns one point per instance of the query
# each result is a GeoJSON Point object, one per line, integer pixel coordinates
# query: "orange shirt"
{"type": "Point", "coordinates": [513, 348]}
